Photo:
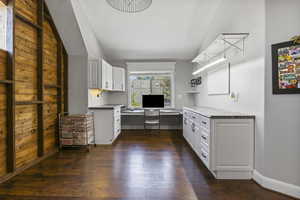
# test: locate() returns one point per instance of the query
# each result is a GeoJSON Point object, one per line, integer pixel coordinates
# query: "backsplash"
{"type": "Point", "coordinates": [97, 97]}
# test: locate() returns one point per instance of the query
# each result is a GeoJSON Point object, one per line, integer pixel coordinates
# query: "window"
{"type": "Point", "coordinates": [142, 83]}
{"type": "Point", "coordinates": [3, 22]}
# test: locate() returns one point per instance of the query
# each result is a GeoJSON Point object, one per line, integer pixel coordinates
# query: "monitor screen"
{"type": "Point", "coordinates": [153, 101]}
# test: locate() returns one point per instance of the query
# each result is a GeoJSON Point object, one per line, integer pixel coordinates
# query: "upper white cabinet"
{"type": "Point", "coordinates": [100, 75]}
{"type": "Point", "coordinates": [95, 74]}
{"type": "Point", "coordinates": [118, 79]}
{"type": "Point", "coordinates": [107, 81]}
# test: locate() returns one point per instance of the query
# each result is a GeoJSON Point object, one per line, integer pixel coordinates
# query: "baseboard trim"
{"type": "Point", "coordinates": [275, 185]}
{"type": "Point", "coordinates": [20, 170]}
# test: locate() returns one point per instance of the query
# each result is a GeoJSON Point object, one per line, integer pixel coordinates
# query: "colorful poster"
{"type": "Point", "coordinates": [286, 68]}
{"type": "Point", "coordinates": [289, 67]}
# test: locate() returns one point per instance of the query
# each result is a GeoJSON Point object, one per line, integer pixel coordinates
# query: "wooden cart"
{"type": "Point", "coordinates": [76, 130]}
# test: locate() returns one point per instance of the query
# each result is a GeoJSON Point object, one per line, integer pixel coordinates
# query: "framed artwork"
{"type": "Point", "coordinates": [286, 68]}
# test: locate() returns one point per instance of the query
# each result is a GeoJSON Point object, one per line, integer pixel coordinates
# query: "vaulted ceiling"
{"type": "Point", "coordinates": [169, 29]}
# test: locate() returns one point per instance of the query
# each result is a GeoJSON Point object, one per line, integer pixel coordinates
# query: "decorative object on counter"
{"type": "Point", "coordinates": [96, 92]}
{"type": "Point", "coordinates": [286, 67]}
{"type": "Point", "coordinates": [296, 39]}
{"type": "Point", "coordinates": [195, 82]}
{"type": "Point", "coordinates": [130, 6]}
{"type": "Point", "coordinates": [76, 130]}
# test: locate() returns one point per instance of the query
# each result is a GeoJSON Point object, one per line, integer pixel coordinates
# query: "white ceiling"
{"type": "Point", "coordinates": [169, 29]}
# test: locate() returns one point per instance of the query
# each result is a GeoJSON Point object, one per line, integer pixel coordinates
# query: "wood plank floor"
{"type": "Point", "coordinates": [136, 167]}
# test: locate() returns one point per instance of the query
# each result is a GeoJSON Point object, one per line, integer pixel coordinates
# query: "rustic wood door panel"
{"type": "Point", "coordinates": [3, 129]}
{"type": "Point", "coordinates": [50, 67]}
{"type": "Point", "coordinates": [25, 62]}
{"type": "Point", "coordinates": [32, 72]}
{"type": "Point", "coordinates": [26, 134]}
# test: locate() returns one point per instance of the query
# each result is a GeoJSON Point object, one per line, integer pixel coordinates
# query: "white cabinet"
{"type": "Point", "coordinates": [107, 81]}
{"type": "Point", "coordinates": [224, 144]}
{"type": "Point", "coordinates": [100, 75]}
{"type": "Point", "coordinates": [118, 79]}
{"type": "Point", "coordinates": [94, 74]}
{"type": "Point", "coordinates": [107, 124]}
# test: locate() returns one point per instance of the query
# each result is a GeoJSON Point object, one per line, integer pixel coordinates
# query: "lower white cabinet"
{"type": "Point", "coordinates": [225, 144]}
{"type": "Point", "coordinates": [107, 124]}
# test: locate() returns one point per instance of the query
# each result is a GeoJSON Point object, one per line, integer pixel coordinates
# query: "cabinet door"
{"type": "Point", "coordinates": [104, 75]}
{"type": "Point", "coordinates": [93, 79]}
{"type": "Point", "coordinates": [109, 74]}
{"type": "Point", "coordinates": [118, 79]}
{"type": "Point", "coordinates": [185, 127]}
{"type": "Point", "coordinates": [122, 79]}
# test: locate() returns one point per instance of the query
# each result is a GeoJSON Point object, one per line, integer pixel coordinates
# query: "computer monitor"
{"type": "Point", "coordinates": [153, 101]}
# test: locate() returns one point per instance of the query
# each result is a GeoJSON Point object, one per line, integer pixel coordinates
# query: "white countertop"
{"type": "Point", "coordinates": [106, 106]}
{"type": "Point", "coordinates": [217, 113]}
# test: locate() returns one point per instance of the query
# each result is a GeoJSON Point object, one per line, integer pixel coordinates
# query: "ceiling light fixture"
{"type": "Point", "coordinates": [130, 6]}
{"type": "Point", "coordinates": [221, 60]}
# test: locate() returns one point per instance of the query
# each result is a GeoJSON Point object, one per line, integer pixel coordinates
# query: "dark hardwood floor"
{"type": "Point", "coordinates": [136, 167]}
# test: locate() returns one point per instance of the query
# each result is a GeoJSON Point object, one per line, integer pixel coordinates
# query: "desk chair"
{"type": "Point", "coordinates": [151, 119]}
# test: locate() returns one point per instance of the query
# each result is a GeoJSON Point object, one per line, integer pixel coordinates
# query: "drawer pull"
{"type": "Point", "coordinates": [193, 117]}
{"type": "Point", "coordinates": [203, 155]}
{"type": "Point", "coordinates": [193, 125]}
{"type": "Point", "coordinates": [203, 122]}
{"type": "Point", "coordinates": [204, 137]}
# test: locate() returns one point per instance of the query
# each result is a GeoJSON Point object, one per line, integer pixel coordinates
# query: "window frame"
{"type": "Point", "coordinates": [169, 73]}
{"type": "Point", "coordinates": [4, 8]}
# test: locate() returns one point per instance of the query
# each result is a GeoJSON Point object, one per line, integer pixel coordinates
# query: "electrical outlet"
{"type": "Point", "coordinates": [234, 96]}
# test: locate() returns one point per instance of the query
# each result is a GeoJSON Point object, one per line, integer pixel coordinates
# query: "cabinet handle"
{"type": "Point", "coordinates": [193, 127]}
{"type": "Point", "coordinates": [204, 137]}
{"type": "Point", "coordinates": [203, 155]}
{"type": "Point", "coordinates": [203, 122]}
{"type": "Point", "coordinates": [193, 117]}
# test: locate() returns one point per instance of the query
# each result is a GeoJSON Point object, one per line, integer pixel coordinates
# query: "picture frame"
{"type": "Point", "coordinates": [286, 68]}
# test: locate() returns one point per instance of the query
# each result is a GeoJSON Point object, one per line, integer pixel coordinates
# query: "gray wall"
{"type": "Point", "coordinates": [247, 72]}
{"type": "Point", "coordinates": [81, 45]}
{"type": "Point", "coordinates": [183, 75]}
{"type": "Point", "coordinates": [282, 135]}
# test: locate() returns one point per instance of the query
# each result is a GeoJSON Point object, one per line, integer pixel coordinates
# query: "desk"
{"type": "Point", "coordinates": [167, 112]}
{"type": "Point", "coordinates": [134, 119]}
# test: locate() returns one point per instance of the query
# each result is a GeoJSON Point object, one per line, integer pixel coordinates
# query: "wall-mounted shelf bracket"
{"type": "Point", "coordinates": [221, 45]}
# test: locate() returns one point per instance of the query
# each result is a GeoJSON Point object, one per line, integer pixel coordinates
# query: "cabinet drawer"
{"type": "Point", "coordinates": [186, 114]}
{"type": "Point", "coordinates": [205, 122]}
{"type": "Point", "coordinates": [205, 137]}
{"type": "Point", "coordinates": [196, 118]}
{"type": "Point", "coordinates": [204, 157]}
{"type": "Point", "coordinates": [117, 111]}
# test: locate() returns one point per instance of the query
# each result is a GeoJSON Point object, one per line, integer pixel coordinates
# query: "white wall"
{"type": "Point", "coordinates": [247, 73]}
{"type": "Point", "coordinates": [183, 76]}
{"type": "Point", "coordinates": [92, 44]}
{"type": "Point", "coordinates": [282, 135]}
